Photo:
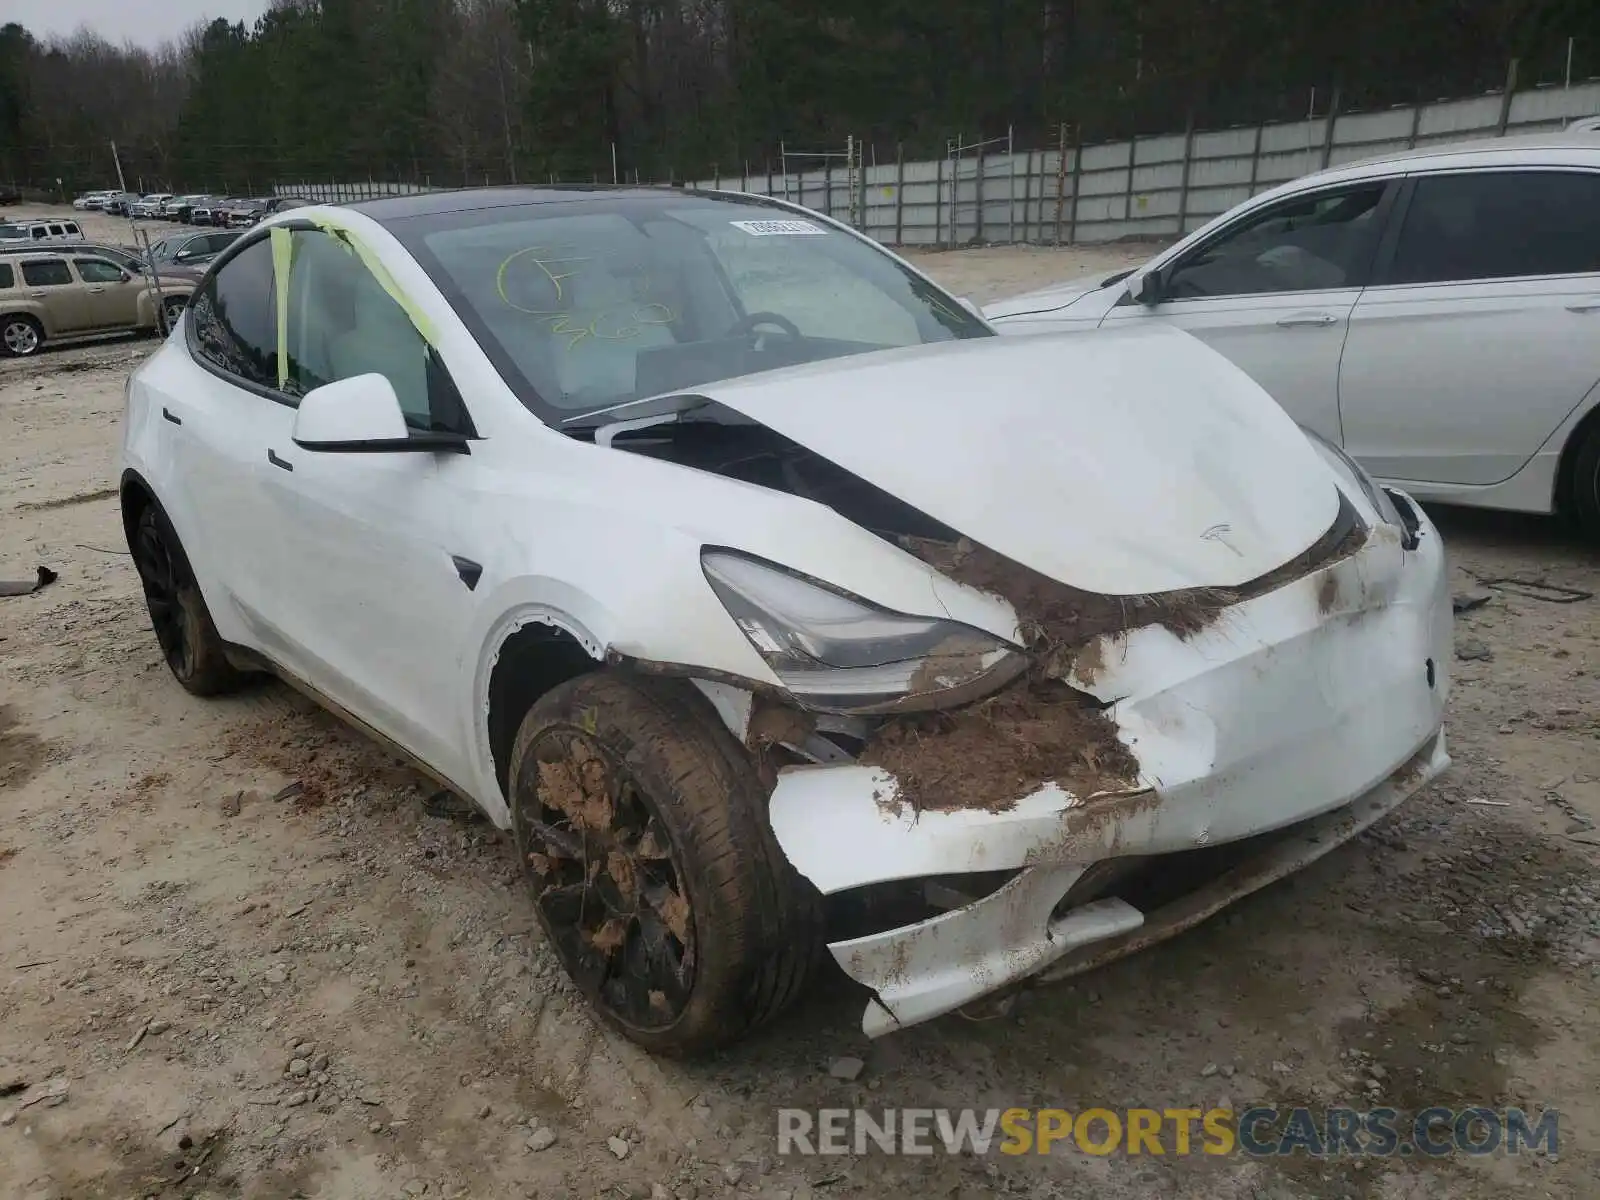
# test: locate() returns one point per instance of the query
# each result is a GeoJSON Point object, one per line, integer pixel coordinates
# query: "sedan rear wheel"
{"type": "Point", "coordinates": [20, 336]}
{"type": "Point", "coordinates": [1583, 484]}
{"type": "Point", "coordinates": [642, 831]}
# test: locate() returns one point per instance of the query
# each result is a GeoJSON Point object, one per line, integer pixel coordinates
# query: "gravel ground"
{"type": "Point", "coordinates": [240, 957]}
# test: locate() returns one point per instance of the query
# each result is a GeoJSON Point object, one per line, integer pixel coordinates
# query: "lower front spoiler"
{"type": "Point", "coordinates": [926, 970]}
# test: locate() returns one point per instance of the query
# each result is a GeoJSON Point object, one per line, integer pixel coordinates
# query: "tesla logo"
{"type": "Point", "coordinates": [1219, 533]}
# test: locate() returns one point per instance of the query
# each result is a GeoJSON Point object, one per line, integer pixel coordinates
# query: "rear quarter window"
{"type": "Point", "coordinates": [8, 278]}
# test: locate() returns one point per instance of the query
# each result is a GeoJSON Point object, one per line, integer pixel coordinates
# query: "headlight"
{"type": "Point", "coordinates": [1348, 468]}
{"type": "Point", "coordinates": [836, 653]}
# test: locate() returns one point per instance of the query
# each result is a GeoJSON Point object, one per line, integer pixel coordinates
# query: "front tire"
{"type": "Point", "coordinates": [20, 336]}
{"type": "Point", "coordinates": [642, 832]}
{"type": "Point", "coordinates": [189, 641]}
{"type": "Point", "coordinates": [1583, 484]}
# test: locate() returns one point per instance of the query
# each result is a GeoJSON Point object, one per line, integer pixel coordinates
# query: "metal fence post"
{"type": "Point", "coordinates": [1505, 100]}
{"type": "Point", "coordinates": [1416, 127]}
{"type": "Point", "coordinates": [899, 193]}
{"type": "Point", "coordinates": [1183, 179]}
{"type": "Point", "coordinates": [1027, 193]}
{"type": "Point", "coordinates": [827, 188]}
{"type": "Point", "coordinates": [1327, 135]}
{"type": "Point", "coordinates": [977, 194]}
{"type": "Point", "coordinates": [938, 202]}
{"type": "Point", "coordinates": [1077, 183]}
{"type": "Point", "coordinates": [1061, 176]}
{"type": "Point", "coordinates": [1011, 217]}
{"type": "Point", "coordinates": [1255, 161]}
{"type": "Point", "coordinates": [1127, 196]}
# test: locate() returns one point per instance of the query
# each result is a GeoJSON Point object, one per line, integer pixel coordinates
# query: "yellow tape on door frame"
{"type": "Point", "coordinates": [282, 257]}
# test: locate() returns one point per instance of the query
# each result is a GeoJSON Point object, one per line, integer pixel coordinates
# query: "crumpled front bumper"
{"type": "Point", "coordinates": [1318, 705]}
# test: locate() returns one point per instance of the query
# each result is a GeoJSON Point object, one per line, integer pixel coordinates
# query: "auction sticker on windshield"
{"type": "Point", "coordinates": [778, 228]}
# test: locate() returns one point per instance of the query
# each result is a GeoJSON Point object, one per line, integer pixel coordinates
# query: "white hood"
{"type": "Point", "coordinates": [1132, 462]}
{"type": "Point", "coordinates": [1051, 299]}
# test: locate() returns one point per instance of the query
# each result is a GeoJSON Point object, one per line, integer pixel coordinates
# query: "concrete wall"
{"type": "Point", "coordinates": [1153, 187]}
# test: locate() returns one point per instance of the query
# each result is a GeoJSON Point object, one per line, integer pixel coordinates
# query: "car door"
{"type": "Point", "coordinates": [368, 592]}
{"type": "Point", "coordinates": [51, 282]}
{"type": "Point", "coordinates": [1481, 331]}
{"type": "Point", "coordinates": [1273, 291]}
{"type": "Point", "coordinates": [224, 414]}
{"type": "Point", "coordinates": [111, 295]}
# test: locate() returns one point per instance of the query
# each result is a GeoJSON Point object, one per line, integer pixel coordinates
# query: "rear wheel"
{"type": "Point", "coordinates": [189, 640]}
{"type": "Point", "coordinates": [1583, 481]}
{"type": "Point", "coordinates": [643, 836]}
{"type": "Point", "coordinates": [20, 336]}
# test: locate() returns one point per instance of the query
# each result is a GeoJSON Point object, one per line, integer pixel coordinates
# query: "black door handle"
{"type": "Point", "coordinates": [272, 457]}
{"type": "Point", "coordinates": [167, 413]}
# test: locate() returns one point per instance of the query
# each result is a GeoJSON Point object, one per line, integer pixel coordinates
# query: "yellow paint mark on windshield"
{"type": "Point", "coordinates": [613, 321]}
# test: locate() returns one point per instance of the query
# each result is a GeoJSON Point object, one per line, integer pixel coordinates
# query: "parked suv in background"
{"type": "Point", "coordinates": [211, 212]}
{"type": "Point", "coordinates": [256, 210]}
{"type": "Point", "coordinates": [47, 297]}
{"type": "Point", "coordinates": [41, 230]}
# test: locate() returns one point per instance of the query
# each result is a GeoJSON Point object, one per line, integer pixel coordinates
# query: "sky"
{"type": "Point", "coordinates": [144, 22]}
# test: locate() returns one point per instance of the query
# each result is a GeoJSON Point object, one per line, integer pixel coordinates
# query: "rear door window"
{"type": "Point", "coordinates": [1499, 225]}
{"type": "Point", "coordinates": [46, 272]}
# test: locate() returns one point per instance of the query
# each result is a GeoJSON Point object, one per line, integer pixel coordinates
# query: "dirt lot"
{"type": "Point", "coordinates": [241, 957]}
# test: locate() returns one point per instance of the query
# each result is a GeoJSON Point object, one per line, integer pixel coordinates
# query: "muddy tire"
{"type": "Point", "coordinates": [189, 640]}
{"type": "Point", "coordinates": [20, 336]}
{"type": "Point", "coordinates": [642, 831]}
{"type": "Point", "coordinates": [1583, 482]}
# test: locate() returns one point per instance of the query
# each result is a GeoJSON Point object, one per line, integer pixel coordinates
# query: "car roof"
{"type": "Point", "coordinates": [1532, 149]}
{"type": "Point", "coordinates": [423, 204]}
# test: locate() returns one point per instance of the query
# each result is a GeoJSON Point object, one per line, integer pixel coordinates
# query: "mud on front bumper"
{"type": "Point", "coordinates": [1308, 712]}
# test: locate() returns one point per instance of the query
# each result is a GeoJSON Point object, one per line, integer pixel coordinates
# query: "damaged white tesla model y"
{"type": "Point", "coordinates": [769, 600]}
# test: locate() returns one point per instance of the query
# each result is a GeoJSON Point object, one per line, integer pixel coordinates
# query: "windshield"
{"type": "Point", "coordinates": [587, 304]}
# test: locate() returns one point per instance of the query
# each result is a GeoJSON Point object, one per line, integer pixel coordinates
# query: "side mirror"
{"type": "Point", "coordinates": [1147, 289]}
{"type": "Point", "coordinates": [181, 255]}
{"type": "Point", "coordinates": [125, 276]}
{"type": "Point", "coordinates": [361, 415]}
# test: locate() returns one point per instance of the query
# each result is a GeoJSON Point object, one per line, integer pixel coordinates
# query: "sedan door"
{"type": "Point", "coordinates": [1274, 290]}
{"type": "Point", "coordinates": [112, 296]}
{"type": "Point", "coordinates": [1481, 332]}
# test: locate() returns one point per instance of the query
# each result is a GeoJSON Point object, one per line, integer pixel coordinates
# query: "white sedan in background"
{"type": "Point", "coordinates": [765, 595]}
{"type": "Point", "coordinates": [1435, 313]}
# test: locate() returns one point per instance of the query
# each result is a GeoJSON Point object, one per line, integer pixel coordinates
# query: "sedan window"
{"type": "Point", "coordinates": [46, 272]}
{"type": "Point", "coordinates": [1310, 243]}
{"type": "Point", "coordinates": [1499, 225]}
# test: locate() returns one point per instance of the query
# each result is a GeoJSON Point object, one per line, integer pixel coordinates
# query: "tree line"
{"type": "Point", "coordinates": [474, 91]}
